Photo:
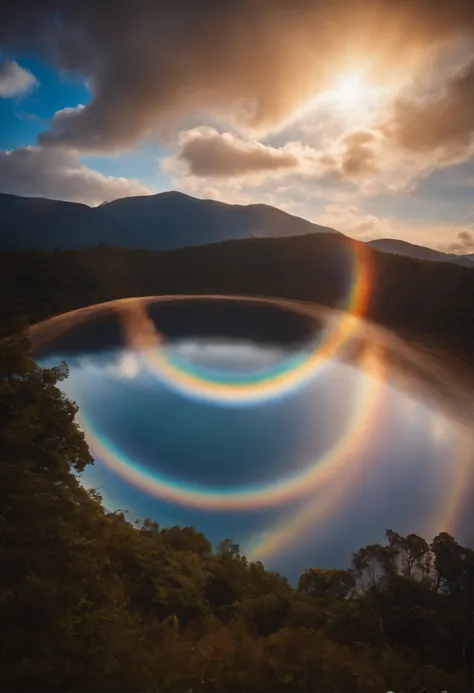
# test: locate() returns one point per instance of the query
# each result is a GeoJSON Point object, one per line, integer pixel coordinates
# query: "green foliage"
{"type": "Point", "coordinates": [91, 602]}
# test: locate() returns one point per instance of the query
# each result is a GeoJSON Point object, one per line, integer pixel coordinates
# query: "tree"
{"type": "Point", "coordinates": [57, 596]}
{"type": "Point", "coordinates": [186, 539]}
{"type": "Point", "coordinates": [413, 554]}
{"type": "Point", "coordinates": [228, 548]}
{"type": "Point", "coordinates": [373, 565]}
{"type": "Point", "coordinates": [452, 563]}
{"type": "Point", "coordinates": [324, 583]}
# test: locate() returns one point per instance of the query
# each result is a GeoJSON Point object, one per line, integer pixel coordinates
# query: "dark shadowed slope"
{"type": "Point", "coordinates": [173, 220]}
{"type": "Point", "coordinates": [419, 252]}
{"type": "Point", "coordinates": [154, 222]}
{"type": "Point", "coordinates": [431, 302]}
{"type": "Point", "coordinates": [28, 222]}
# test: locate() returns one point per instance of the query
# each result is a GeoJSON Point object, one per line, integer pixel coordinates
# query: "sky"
{"type": "Point", "coordinates": [353, 114]}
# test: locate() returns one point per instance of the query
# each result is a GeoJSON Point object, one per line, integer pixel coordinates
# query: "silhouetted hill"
{"type": "Point", "coordinates": [419, 252]}
{"type": "Point", "coordinates": [430, 302]}
{"type": "Point", "coordinates": [29, 222]}
{"type": "Point", "coordinates": [172, 219]}
{"type": "Point", "coordinates": [152, 222]}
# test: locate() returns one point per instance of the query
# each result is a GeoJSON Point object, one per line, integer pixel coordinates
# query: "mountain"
{"type": "Point", "coordinates": [419, 252]}
{"type": "Point", "coordinates": [48, 224]}
{"type": "Point", "coordinates": [153, 222]}
{"type": "Point", "coordinates": [165, 221]}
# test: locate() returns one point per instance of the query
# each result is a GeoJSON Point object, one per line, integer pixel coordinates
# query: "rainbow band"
{"type": "Point", "coordinates": [142, 335]}
{"type": "Point", "coordinates": [275, 539]}
{"type": "Point", "coordinates": [328, 477]}
{"type": "Point", "coordinates": [347, 458]}
{"type": "Point", "coordinates": [448, 516]}
{"type": "Point", "coordinates": [319, 473]}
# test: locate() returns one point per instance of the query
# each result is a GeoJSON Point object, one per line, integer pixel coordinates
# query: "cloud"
{"type": "Point", "coordinates": [358, 223]}
{"type": "Point", "coordinates": [412, 137]}
{"type": "Point", "coordinates": [15, 80]}
{"type": "Point", "coordinates": [224, 158]}
{"type": "Point", "coordinates": [57, 173]}
{"type": "Point", "coordinates": [444, 125]}
{"type": "Point", "coordinates": [365, 159]}
{"type": "Point", "coordinates": [464, 243]}
{"type": "Point", "coordinates": [358, 156]}
{"type": "Point", "coordinates": [208, 153]}
{"type": "Point", "coordinates": [228, 355]}
{"type": "Point", "coordinates": [353, 222]}
{"type": "Point", "coordinates": [252, 63]}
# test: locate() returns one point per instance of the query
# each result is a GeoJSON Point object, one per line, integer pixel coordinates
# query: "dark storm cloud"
{"type": "Point", "coordinates": [150, 62]}
{"type": "Point", "coordinates": [446, 123]}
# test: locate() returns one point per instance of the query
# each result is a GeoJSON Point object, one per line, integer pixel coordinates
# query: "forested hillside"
{"type": "Point", "coordinates": [90, 602]}
{"type": "Point", "coordinates": [427, 301]}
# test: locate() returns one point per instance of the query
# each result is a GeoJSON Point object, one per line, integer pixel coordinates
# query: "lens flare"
{"type": "Point", "coordinates": [321, 471]}
{"type": "Point", "coordinates": [461, 467]}
{"type": "Point", "coordinates": [324, 481]}
{"type": "Point", "coordinates": [349, 460]}
{"type": "Point", "coordinates": [142, 335]}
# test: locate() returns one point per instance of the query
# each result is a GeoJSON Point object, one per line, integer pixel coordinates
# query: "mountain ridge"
{"type": "Point", "coordinates": [152, 222]}
{"type": "Point", "coordinates": [166, 221]}
{"type": "Point", "coordinates": [419, 252]}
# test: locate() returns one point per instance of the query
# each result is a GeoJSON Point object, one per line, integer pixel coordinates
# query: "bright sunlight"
{"type": "Point", "coordinates": [350, 90]}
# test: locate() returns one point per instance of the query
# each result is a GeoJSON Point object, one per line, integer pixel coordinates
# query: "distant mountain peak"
{"type": "Point", "coordinates": [163, 221]}
{"type": "Point", "coordinates": [419, 252]}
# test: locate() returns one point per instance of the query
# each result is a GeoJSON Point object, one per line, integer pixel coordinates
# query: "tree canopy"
{"type": "Point", "coordinates": [92, 602]}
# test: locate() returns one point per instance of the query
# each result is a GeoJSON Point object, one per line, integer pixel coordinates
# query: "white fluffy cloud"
{"type": "Point", "coordinates": [15, 80]}
{"type": "Point", "coordinates": [57, 173]}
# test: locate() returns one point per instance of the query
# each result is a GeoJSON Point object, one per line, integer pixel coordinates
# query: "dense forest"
{"type": "Point", "coordinates": [92, 602]}
{"type": "Point", "coordinates": [430, 302]}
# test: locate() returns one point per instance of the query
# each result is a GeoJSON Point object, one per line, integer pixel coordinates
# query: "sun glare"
{"type": "Point", "coordinates": [348, 95]}
{"type": "Point", "coordinates": [349, 90]}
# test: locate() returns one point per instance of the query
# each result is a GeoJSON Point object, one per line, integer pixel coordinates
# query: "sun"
{"type": "Point", "coordinates": [347, 94]}
{"type": "Point", "coordinates": [349, 90]}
